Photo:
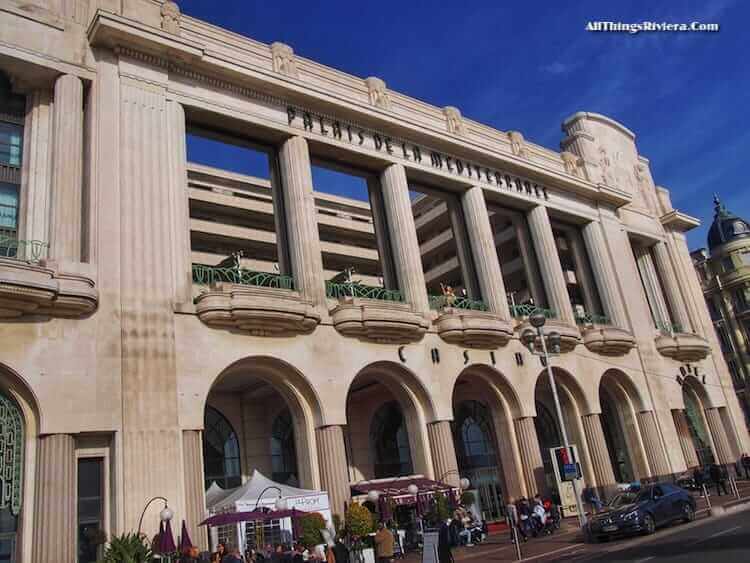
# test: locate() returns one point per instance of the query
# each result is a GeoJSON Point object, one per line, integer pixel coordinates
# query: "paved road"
{"type": "Point", "coordinates": [724, 539]}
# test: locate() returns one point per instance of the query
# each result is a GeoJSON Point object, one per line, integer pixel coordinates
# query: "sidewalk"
{"type": "Point", "coordinates": [498, 547]}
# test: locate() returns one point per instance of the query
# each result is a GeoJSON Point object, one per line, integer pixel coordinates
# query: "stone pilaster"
{"type": "Point", "coordinates": [551, 269]}
{"type": "Point", "coordinates": [531, 455]}
{"type": "Point", "coordinates": [67, 169]}
{"type": "Point", "coordinates": [686, 441]}
{"type": "Point", "coordinates": [486, 261]}
{"type": "Point", "coordinates": [403, 233]}
{"type": "Point", "coordinates": [149, 370]}
{"type": "Point", "coordinates": [54, 530]}
{"type": "Point", "coordinates": [195, 496]}
{"type": "Point", "coordinates": [657, 459]}
{"type": "Point", "coordinates": [302, 225]}
{"type": "Point", "coordinates": [652, 285]}
{"type": "Point", "coordinates": [719, 436]}
{"type": "Point", "coordinates": [178, 203]}
{"type": "Point", "coordinates": [671, 287]}
{"type": "Point", "coordinates": [601, 262]}
{"type": "Point", "coordinates": [334, 472]}
{"type": "Point", "coordinates": [36, 173]}
{"type": "Point", "coordinates": [443, 452]}
{"type": "Point", "coordinates": [600, 460]}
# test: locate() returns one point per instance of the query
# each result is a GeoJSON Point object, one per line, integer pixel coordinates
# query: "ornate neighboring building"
{"type": "Point", "coordinates": [724, 273]}
{"type": "Point", "coordinates": [218, 256]}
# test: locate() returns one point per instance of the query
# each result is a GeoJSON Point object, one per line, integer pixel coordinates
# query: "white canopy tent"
{"type": "Point", "coordinates": [262, 492]}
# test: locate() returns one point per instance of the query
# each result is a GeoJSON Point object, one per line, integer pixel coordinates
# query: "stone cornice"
{"type": "Point", "coordinates": [252, 69]}
{"type": "Point", "coordinates": [678, 221]}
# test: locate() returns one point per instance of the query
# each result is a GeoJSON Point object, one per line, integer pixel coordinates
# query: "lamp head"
{"type": "Point", "coordinates": [554, 339]}
{"type": "Point", "coordinates": [528, 336]}
{"type": "Point", "coordinates": [537, 319]}
{"type": "Point", "coordinates": [373, 495]}
{"type": "Point", "coordinates": [166, 514]}
{"type": "Point", "coordinates": [281, 504]}
{"type": "Point", "coordinates": [464, 483]}
{"type": "Point", "coordinates": [413, 489]}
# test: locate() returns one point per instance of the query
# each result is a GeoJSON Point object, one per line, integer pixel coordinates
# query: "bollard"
{"type": "Point", "coordinates": [514, 531]}
{"type": "Point", "coordinates": [705, 495]}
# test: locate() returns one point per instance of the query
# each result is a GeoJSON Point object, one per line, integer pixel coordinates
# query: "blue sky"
{"type": "Point", "coordinates": [528, 65]}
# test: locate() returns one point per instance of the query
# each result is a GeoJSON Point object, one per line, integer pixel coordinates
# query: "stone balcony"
{"type": "Point", "coordinates": [375, 314]}
{"type": "Point", "coordinates": [253, 302]}
{"type": "Point", "coordinates": [39, 288]}
{"type": "Point", "coordinates": [601, 337]}
{"type": "Point", "coordinates": [682, 346]}
{"type": "Point", "coordinates": [570, 336]}
{"type": "Point", "coordinates": [467, 323]}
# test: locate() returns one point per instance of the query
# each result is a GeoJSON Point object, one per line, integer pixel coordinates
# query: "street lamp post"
{"type": "Point", "coordinates": [530, 337]}
{"type": "Point", "coordinates": [165, 514]}
{"type": "Point", "coordinates": [280, 502]}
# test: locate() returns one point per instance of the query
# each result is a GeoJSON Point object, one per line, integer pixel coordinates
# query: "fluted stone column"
{"type": "Point", "coordinates": [531, 456]}
{"type": "Point", "coordinates": [530, 265]}
{"type": "Point", "coordinates": [195, 494]}
{"type": "Point", "coordinates": [334, 472]}
{"type": "Point", "coordinates": [443, 452]}
{"type": "Point", "coordinates": [652, 285]}
{"type": "Point", "coordinates": [600, 460]}
{"type": "Point", "coordinates": [601, 262]}
{"type": "Point", "coordinates": [67, 169]}
{"type": "Point", "coordinates": [178, 203]}
{"type": "Point", "coordinates": [403, 232]}
{"type": "Point", "coordinates": [486, 261]}
{"type": "Point", "coordinates": [671, 287]}
{"type": "Point", "coordinates": [549, 264]}
{"type": "Point", "coordinates": [657, 459]}
{"type": "Point", "coordinates": [686, 440]}
{"type": "Point", "coordinates": [302, 226]}
{"type": "Point", "coordinates": [719, 436]}
{"type": "Point", "coordinates": [54, 530]}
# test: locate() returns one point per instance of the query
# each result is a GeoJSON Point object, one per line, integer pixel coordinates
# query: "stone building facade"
{"type": "Point", "coordinates": [723, 269]}
{"type": "Point", "coordinates": [166, 322]}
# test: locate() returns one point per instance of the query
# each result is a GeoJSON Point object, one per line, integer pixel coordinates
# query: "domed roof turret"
{"type": "Point", "coordinates": [726, 227]}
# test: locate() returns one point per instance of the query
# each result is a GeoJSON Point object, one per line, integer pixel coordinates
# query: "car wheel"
{"type": "Point", "coordinates": [688, 514]}
{"type": "Point", "coordinates": [649, 526]}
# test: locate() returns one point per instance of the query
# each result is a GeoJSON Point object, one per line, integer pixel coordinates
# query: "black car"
{"type": "Point", "coordinates": [642, 511]}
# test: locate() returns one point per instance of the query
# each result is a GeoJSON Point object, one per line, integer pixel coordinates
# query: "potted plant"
{"type": "Point", "coordinates": [311, 526]}
{"type": "Point", "coordinates": [127, 548]}
{"type": "Point", "coordinates": [359, 525]}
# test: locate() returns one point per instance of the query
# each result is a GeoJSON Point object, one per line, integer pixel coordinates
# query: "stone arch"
{"type": "Point", "coordinates": [21, 396]}
{"type": "Point", "coordinates": [490, 388]}
{"type": "Point", "coordinates": [263, 379]}
{"type": "Point", "coordinates": [620, 402]}
{"type": "Point", "coordinates": [695, 401]}
{"type": "Point", "coordinates": [394, 382]}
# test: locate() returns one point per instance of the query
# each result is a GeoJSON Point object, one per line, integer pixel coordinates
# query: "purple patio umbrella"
{"type": "Point", "coordinates": [156, 543]}
{"type": "Point", "coordinates": [185, 541]}
{"type": "Point", "coordinates": [166, 541]}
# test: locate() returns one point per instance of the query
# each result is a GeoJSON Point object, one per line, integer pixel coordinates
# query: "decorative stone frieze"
{"type": "Point", "coordinates": [608, 340]}
{"type": "Point", "coordinates": [170, 17]}
{"type": "Point", "coordinates": [453, 120]}
{"type": "Point", "coordinates": [473, 329]}
{"type": "Point", "coordinates": [570, 336]}
{"type": "Point", "coordinates": [386, 322]}
{"type": "Point", "coordinates": [683, 347]}
{"type": "Point", "coordinates": [41, 289]}
{"type": "Point", "coordinates": [261, 311]}
{"type": "Point", "coordinates": [378, 92]}
{"type": "Point", "coordinates": [283, 59]}
{"type": "Point", "coordinates": [517, 143]}
{"type": "Point", "coordinates": [572, 163]}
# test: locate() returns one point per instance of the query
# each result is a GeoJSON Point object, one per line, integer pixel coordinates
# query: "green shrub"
{"type": "Point", "coordinates": [312, 524]}
{"type": "Point", "coordinates": [127, 548]}
{"type": "Point", "coordinates": [468, 498]}
{"type": "Point", "coordinates": [441, 510]}
{"type": "Point", "coordinates": [359, 520]}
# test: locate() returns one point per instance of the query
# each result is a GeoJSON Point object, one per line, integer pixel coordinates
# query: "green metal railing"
{"type": "Point", "coordinates": [438, 302]}
{"type": "Point", "coordinates": [29, 250]}
{"type": "Point", "coordinates": [592, 319]}
{"type": "Point", "coordinates": [668, 328]}
{"type": "Point", "coordinates": [528, 310]}
{"type": "Point", "coordinates": [207, 275]}
{"type": "Point", "coordinates": [345, 289]}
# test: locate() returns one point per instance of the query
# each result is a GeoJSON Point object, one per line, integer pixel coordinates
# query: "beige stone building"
{"type": "Point", "coordinates": [724, 272]}
{"type": "Point", "coordinates": [181, 208]}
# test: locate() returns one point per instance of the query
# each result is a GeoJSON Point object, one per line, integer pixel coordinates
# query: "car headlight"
{"type": "Point", "coordinates": [633, 515]}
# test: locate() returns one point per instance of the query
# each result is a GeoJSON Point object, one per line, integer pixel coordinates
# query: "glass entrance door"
{"type": "Point", "coordinates": [487, 483]}
{"type": "Point", "coordinates": [8, 527]}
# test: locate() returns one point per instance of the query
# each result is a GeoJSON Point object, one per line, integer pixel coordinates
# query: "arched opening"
{"type": "Point", "coordinates": [484, 404]}
{"type": "Point", "coordinates": [619, 401]}
{"type": "Point", "coordinates": [549, 436]}
{"type": "Point", "coordinates": [697, 425]}
{"type": "Point", "coordinates": [385, 412]}
{"type": "Point", "coordinates": [260, 415]}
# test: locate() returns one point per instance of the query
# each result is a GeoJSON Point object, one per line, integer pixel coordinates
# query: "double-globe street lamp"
{"type": "Point", "coordinates": [547, 344]}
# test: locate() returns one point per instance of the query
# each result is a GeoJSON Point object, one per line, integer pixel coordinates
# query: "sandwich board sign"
{"type": "Point", "coordinates": [430, 549]}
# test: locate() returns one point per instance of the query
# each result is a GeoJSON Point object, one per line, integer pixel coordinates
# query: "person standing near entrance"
{"type": "Point", "coordinates": [717, 476]}
{"type": "Point", "coordinates": [384, 544]}
{"type": "Point", "coordinates": [746, 465]}
{"type": "Point", "coordinates": [514, 523]}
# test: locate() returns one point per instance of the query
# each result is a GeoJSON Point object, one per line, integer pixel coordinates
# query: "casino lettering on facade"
{"type": "Point", "coordinates": [347, 132]}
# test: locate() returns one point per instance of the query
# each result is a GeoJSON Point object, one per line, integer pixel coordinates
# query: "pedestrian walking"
{"type": "Point", "coordinates": [514, 522]}
{"type": "Point", "coordinates": [384, 541]}
{"type": "Point", "coordinates": [718, 477]}
{"type": "Point", "coordinates": [746, 465]}
{"type": "Point", "coordinates": [444, 544]}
